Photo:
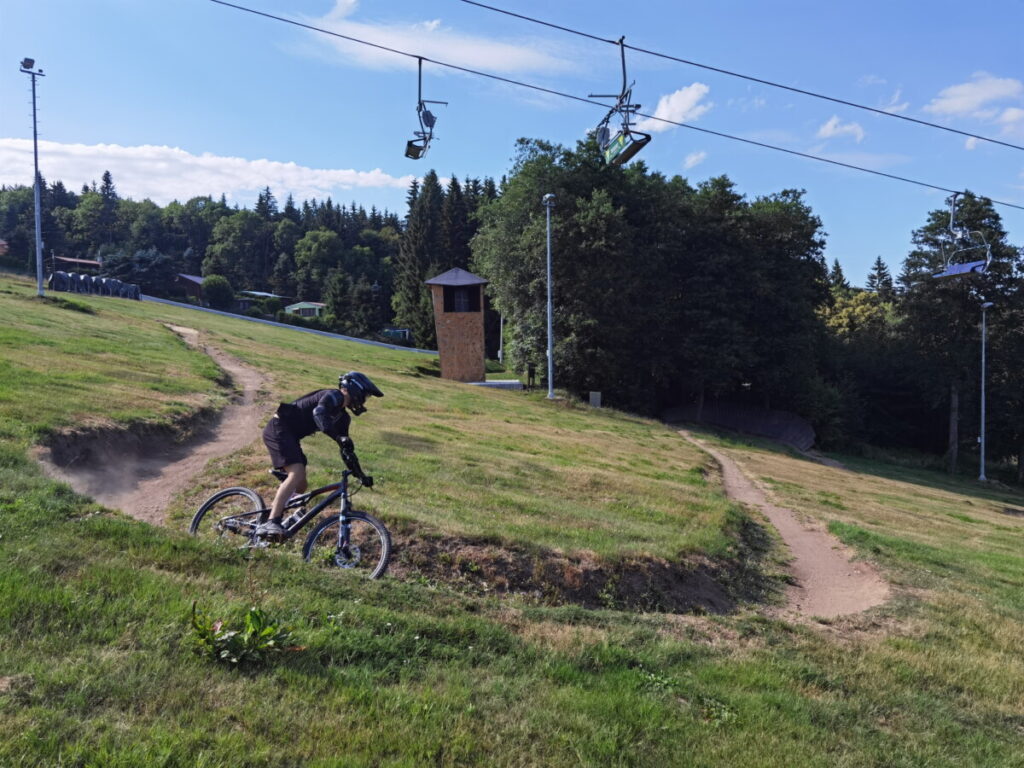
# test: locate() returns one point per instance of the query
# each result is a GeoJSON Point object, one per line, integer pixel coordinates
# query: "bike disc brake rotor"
{"type": "Point", "coordinates": [347, 556]}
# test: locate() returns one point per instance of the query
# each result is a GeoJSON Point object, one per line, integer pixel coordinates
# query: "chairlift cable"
{"type": "Point", "coordinates": [751, 78]}
{"type": "Point", "coordinates": [583, 100]}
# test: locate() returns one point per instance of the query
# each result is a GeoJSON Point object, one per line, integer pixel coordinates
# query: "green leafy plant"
{"type": "Point", "coordinates": [253, 642]}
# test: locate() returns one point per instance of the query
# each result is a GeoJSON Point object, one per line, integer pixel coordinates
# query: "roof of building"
{"type": "Point", "coordinates": [263, 295]}
{"type": "Point", "coordinates": [191, 278]}
{"type": "Point", "coordinates": [305, 305]}
{"type": "Point", "coordinates": [457, 276]}
{"type": "Point", "coordinates": [87, 262]}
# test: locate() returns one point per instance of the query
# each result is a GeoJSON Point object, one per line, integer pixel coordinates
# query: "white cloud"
{"type": "Point", "coordinates": [895, 106]}
{"type": "Point", "coordinates": [834, 128]}
{"type": "Point", "coordinates": [167, 173]}
{"type": "Point", "coordinates": [694, 159]}
{"type": "Point", "coordinates": [1012, 116]}
{"type": "Point", "coordinates": [430, 39]}
{"type": "Point", "coordinates": [969, 98]}
{"type": "Point", "coordinates": [868, 80]}
{"type": "Point", "coordinates": [971, 143]}
{"type": "Point", "coordinates": [683, 106]}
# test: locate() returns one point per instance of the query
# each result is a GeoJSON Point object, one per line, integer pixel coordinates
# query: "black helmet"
{"type": "Point", "coordinates": [358, 386]}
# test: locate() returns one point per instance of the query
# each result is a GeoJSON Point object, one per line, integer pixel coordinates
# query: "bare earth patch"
{"type": "Point", "coordinates": [828, 582]}
{"type": "Point", "coordinates": [140, 472]}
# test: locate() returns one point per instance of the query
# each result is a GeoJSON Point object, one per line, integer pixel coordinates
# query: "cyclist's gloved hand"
{"type": "Point", "coordinates": [367, 481]}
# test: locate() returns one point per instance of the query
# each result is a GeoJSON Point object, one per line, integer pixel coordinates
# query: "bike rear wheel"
{"type": "Point", "coordinates": [229, 516]}
{"type": "Point", "coordinates": [364, 548]}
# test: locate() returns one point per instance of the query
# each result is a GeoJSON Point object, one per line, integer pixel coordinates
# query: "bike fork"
{"type": "Point", "coordinates": [344, 531]}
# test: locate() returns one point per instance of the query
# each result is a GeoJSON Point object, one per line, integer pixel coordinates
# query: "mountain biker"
{"type": "Point", "coordinates": [322, 410]}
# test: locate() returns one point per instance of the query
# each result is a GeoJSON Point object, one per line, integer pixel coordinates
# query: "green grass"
{"type": "Point", "coordinates": [96, 660]}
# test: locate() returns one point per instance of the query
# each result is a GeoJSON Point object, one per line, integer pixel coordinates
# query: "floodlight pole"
{"type": "Point", "coordinates": [549, 201]}
{"type": "Point", "coordinates": [27, 67]}
{"type": "Point", "coordinates": [981, 474]}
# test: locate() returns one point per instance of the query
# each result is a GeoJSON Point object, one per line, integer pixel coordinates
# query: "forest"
{"type": "Point", "coordinates": [666, 292]}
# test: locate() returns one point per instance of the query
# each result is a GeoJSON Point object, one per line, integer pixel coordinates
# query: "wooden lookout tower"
{"type": "Point", "coordinates": [459, 320]}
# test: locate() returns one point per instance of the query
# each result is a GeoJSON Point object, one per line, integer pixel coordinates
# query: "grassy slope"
{"type": "Point", "coordinates": [95, 667]}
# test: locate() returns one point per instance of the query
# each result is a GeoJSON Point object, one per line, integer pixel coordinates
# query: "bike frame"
{"type": "Point", "coordinates": [337, 491]}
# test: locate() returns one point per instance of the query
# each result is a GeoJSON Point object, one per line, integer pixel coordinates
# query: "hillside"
{"type": "Point", "coordinates": [442, 663]}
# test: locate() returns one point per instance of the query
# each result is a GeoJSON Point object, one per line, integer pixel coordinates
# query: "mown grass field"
{"type": "Point", "coordinates": [96, 663]}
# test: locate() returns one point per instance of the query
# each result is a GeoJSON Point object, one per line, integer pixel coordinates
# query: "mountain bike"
{"type": "Point", "coordinates": [350, 540]}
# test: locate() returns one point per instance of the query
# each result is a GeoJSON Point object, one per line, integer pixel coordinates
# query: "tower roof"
{"type": "Point", "coordinates": [457, 276]}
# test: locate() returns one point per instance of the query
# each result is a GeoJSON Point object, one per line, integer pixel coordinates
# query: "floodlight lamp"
{"type": "Point", "coordinates": [987, 305]}
{"type": "Point", "coordinates": [548, 199]}
{"type": "Point", "coordinates": [28, 63]}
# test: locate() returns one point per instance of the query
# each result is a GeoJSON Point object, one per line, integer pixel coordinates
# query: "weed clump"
{"type": "Point", "coordinates": [251, 643]}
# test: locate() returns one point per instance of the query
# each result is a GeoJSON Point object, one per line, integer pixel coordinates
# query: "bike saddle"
{"type": "Point", "coordinates": [280, 475]}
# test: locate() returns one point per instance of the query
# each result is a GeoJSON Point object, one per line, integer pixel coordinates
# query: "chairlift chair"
{"type": "Point", "coordinates": [417, 147]}
{"type": "Point", "coordinates": [620, 148]}
{"type": "Point", "coordinates": [964, 241]}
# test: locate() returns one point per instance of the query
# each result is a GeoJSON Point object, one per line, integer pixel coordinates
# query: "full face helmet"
{"type": "Point", "coordinates": [359, 387]}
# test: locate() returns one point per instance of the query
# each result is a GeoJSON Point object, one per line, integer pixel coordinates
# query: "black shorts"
{"type": "Point", "coordinates": [284, 446]}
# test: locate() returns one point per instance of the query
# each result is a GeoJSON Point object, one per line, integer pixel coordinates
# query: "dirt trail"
{"type": "Point", "coordinates": [142, 486]}
{"type": "Point", "coordinates": [828, 583]}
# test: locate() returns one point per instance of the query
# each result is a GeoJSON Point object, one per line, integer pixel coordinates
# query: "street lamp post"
{"type": "Point", "coordinates": [549, 201]}
{"type": "Point", "coordinates": [27, 67]}
{"type": "Point", "coordinates": [986, 305]}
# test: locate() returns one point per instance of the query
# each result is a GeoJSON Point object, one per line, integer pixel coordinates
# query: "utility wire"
{"type": "Point", "coordinates": [746, 77]}
{"type": "Point", "coordinates": [563, 95]}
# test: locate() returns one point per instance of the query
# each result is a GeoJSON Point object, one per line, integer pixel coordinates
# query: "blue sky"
{"type": "Point", "coordinates": [186, 97]}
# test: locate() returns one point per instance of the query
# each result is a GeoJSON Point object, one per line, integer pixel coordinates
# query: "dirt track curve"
{"type": "Point", "coordinates": [828, 582]}
{"type": "Point", "coordinates": [143, 486]}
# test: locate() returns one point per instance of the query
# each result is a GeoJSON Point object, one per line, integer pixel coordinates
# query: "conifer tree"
{"type": "Point", "coordinates": [454, 228]}
{"type": "Point", "coordinates": [266, 205]}
{"type": "Point", "coordinates": [418, 260]}
{"type": "Point", "coordinates": [880, 280]}
{"type": "Point", "coordinates": [836, 279]}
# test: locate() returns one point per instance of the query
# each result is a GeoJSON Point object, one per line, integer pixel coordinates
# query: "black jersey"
{"type": "Point", "coordinates": [322, 410]}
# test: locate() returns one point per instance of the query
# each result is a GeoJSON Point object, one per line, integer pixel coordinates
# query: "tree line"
{"type": "Point", "coordinates": [665, 292]}
{"type": "Point", "coordinates": [320, 251]}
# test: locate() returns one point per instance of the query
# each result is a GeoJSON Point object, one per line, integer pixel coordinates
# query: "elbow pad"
{"type": "Point", "coordinates": [320, 418]}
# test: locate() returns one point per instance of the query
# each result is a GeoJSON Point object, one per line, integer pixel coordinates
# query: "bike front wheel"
{"type": "Point", "coordinates": [361, 544]}
{"type": "Point", "coordinates": [233, 512]}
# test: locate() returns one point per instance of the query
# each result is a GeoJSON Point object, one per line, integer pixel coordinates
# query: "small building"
{"type": "Point", "coordinates": [190, 285]}
{"type": "Point", "coordinates": [459, 320]}
{"type": "Point", "coordinates": [306, 309]}
{"type": "Point", "coordinates": [245, 300]}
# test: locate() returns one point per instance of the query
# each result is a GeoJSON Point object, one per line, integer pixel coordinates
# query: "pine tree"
{"type": "Point", "coordinates": [290, 212]}
{"type": "Point", "coordinates": [418, 260]}
{"type": "Point", "coordinates": [454, 228]}
{"type": "Point", "coordinates": [266, 205]}
{"type": "Point", "coordinates": [880, 280]}
{"type": "Point", "coordinates": [107, 223]}
{"type": "Point", "coordinates": [836, 279]}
